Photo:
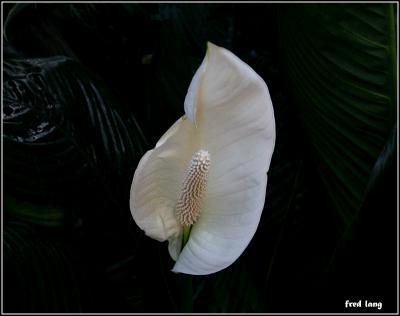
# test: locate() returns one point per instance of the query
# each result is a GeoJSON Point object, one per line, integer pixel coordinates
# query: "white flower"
{"type": "Point", "coordinates": [208, 172]}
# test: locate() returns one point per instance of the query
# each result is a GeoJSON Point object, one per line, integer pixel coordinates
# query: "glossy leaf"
{"type": "Point", "coordinates": [62, 128]}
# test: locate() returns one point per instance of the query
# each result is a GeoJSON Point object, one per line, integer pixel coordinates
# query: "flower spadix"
{"type": "Point", "coordinates": [193, 189]}
{"type": "Point", "coordinates": [207, 175]}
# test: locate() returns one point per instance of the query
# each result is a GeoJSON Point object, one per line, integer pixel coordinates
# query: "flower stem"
{"type": "Point", "coordinates": [186, 234]}
{"type": "Point", "coordinates": [186, 290]}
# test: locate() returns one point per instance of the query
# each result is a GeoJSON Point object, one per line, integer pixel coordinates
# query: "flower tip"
{"type": "Point", "coordinates": [211, 46]}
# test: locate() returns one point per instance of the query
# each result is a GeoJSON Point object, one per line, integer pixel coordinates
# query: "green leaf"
{"type": "Point", "coordinates": [46, 215]}
{"type": "Point", "coordinates": [384, 167]}
{"type": "Point", "coordinates": [341, 63]}
{"type": "Point", "coordinates": [63, 130]}
{"type": "Point", "coordinates": [371, 242]}
{"type": "Point", "coordinates": [40, 275]}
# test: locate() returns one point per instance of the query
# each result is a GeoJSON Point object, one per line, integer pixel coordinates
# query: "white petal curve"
{"type": "Point", "coordinates": [236, 124]}
{"type": "Point", "coordinates": [191, 99]}
{"type": "Point", "coordinates": [157, 181]}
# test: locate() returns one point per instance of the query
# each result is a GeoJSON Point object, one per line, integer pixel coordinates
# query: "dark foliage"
{"type": "Point", "coordinates": [88, 88]}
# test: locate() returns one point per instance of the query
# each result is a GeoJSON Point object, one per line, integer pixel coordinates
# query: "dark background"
{"type": "Point", "coordinates": [88, 88]}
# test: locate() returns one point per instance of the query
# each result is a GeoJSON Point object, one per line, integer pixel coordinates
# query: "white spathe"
{"type": "Point", "coordinates": [229, 113]}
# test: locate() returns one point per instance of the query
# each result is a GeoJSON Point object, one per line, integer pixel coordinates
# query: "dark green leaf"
{"type": "Point", "coordinates": [40, 277]}
{"type": "Point", "coordinates": [371, 238]}
{"type": "Point", "coordinates": [341, 63]}
{"type": "Point", "coordinates": [384, 166]}
{"type": "Point", "coordinates": [47, 215]}
{"type": "Point", "coordinates": [62, 129]}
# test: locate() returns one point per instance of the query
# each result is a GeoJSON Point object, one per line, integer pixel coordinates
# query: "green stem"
{"type": "Point", "coordinates": [186, 290]}
{"type": "Point", "coordinates": [186, 234]}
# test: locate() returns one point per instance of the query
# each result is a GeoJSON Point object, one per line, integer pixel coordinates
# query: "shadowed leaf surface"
{"type": "Point", "coordinates": [62, 129]}
{"type": "Point", "coordinates": [341, 63]}
{"type": "Point", "coordinates": [41, 275]}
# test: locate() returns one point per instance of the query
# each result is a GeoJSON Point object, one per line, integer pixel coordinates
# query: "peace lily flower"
{"type": "Point", "coordinates": [203, 186]}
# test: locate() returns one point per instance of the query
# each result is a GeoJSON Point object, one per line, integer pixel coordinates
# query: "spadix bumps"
{"type": "Point", "coordinates": [193, 189]}
{"type": "Point", "coordinates": [209, 170]}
